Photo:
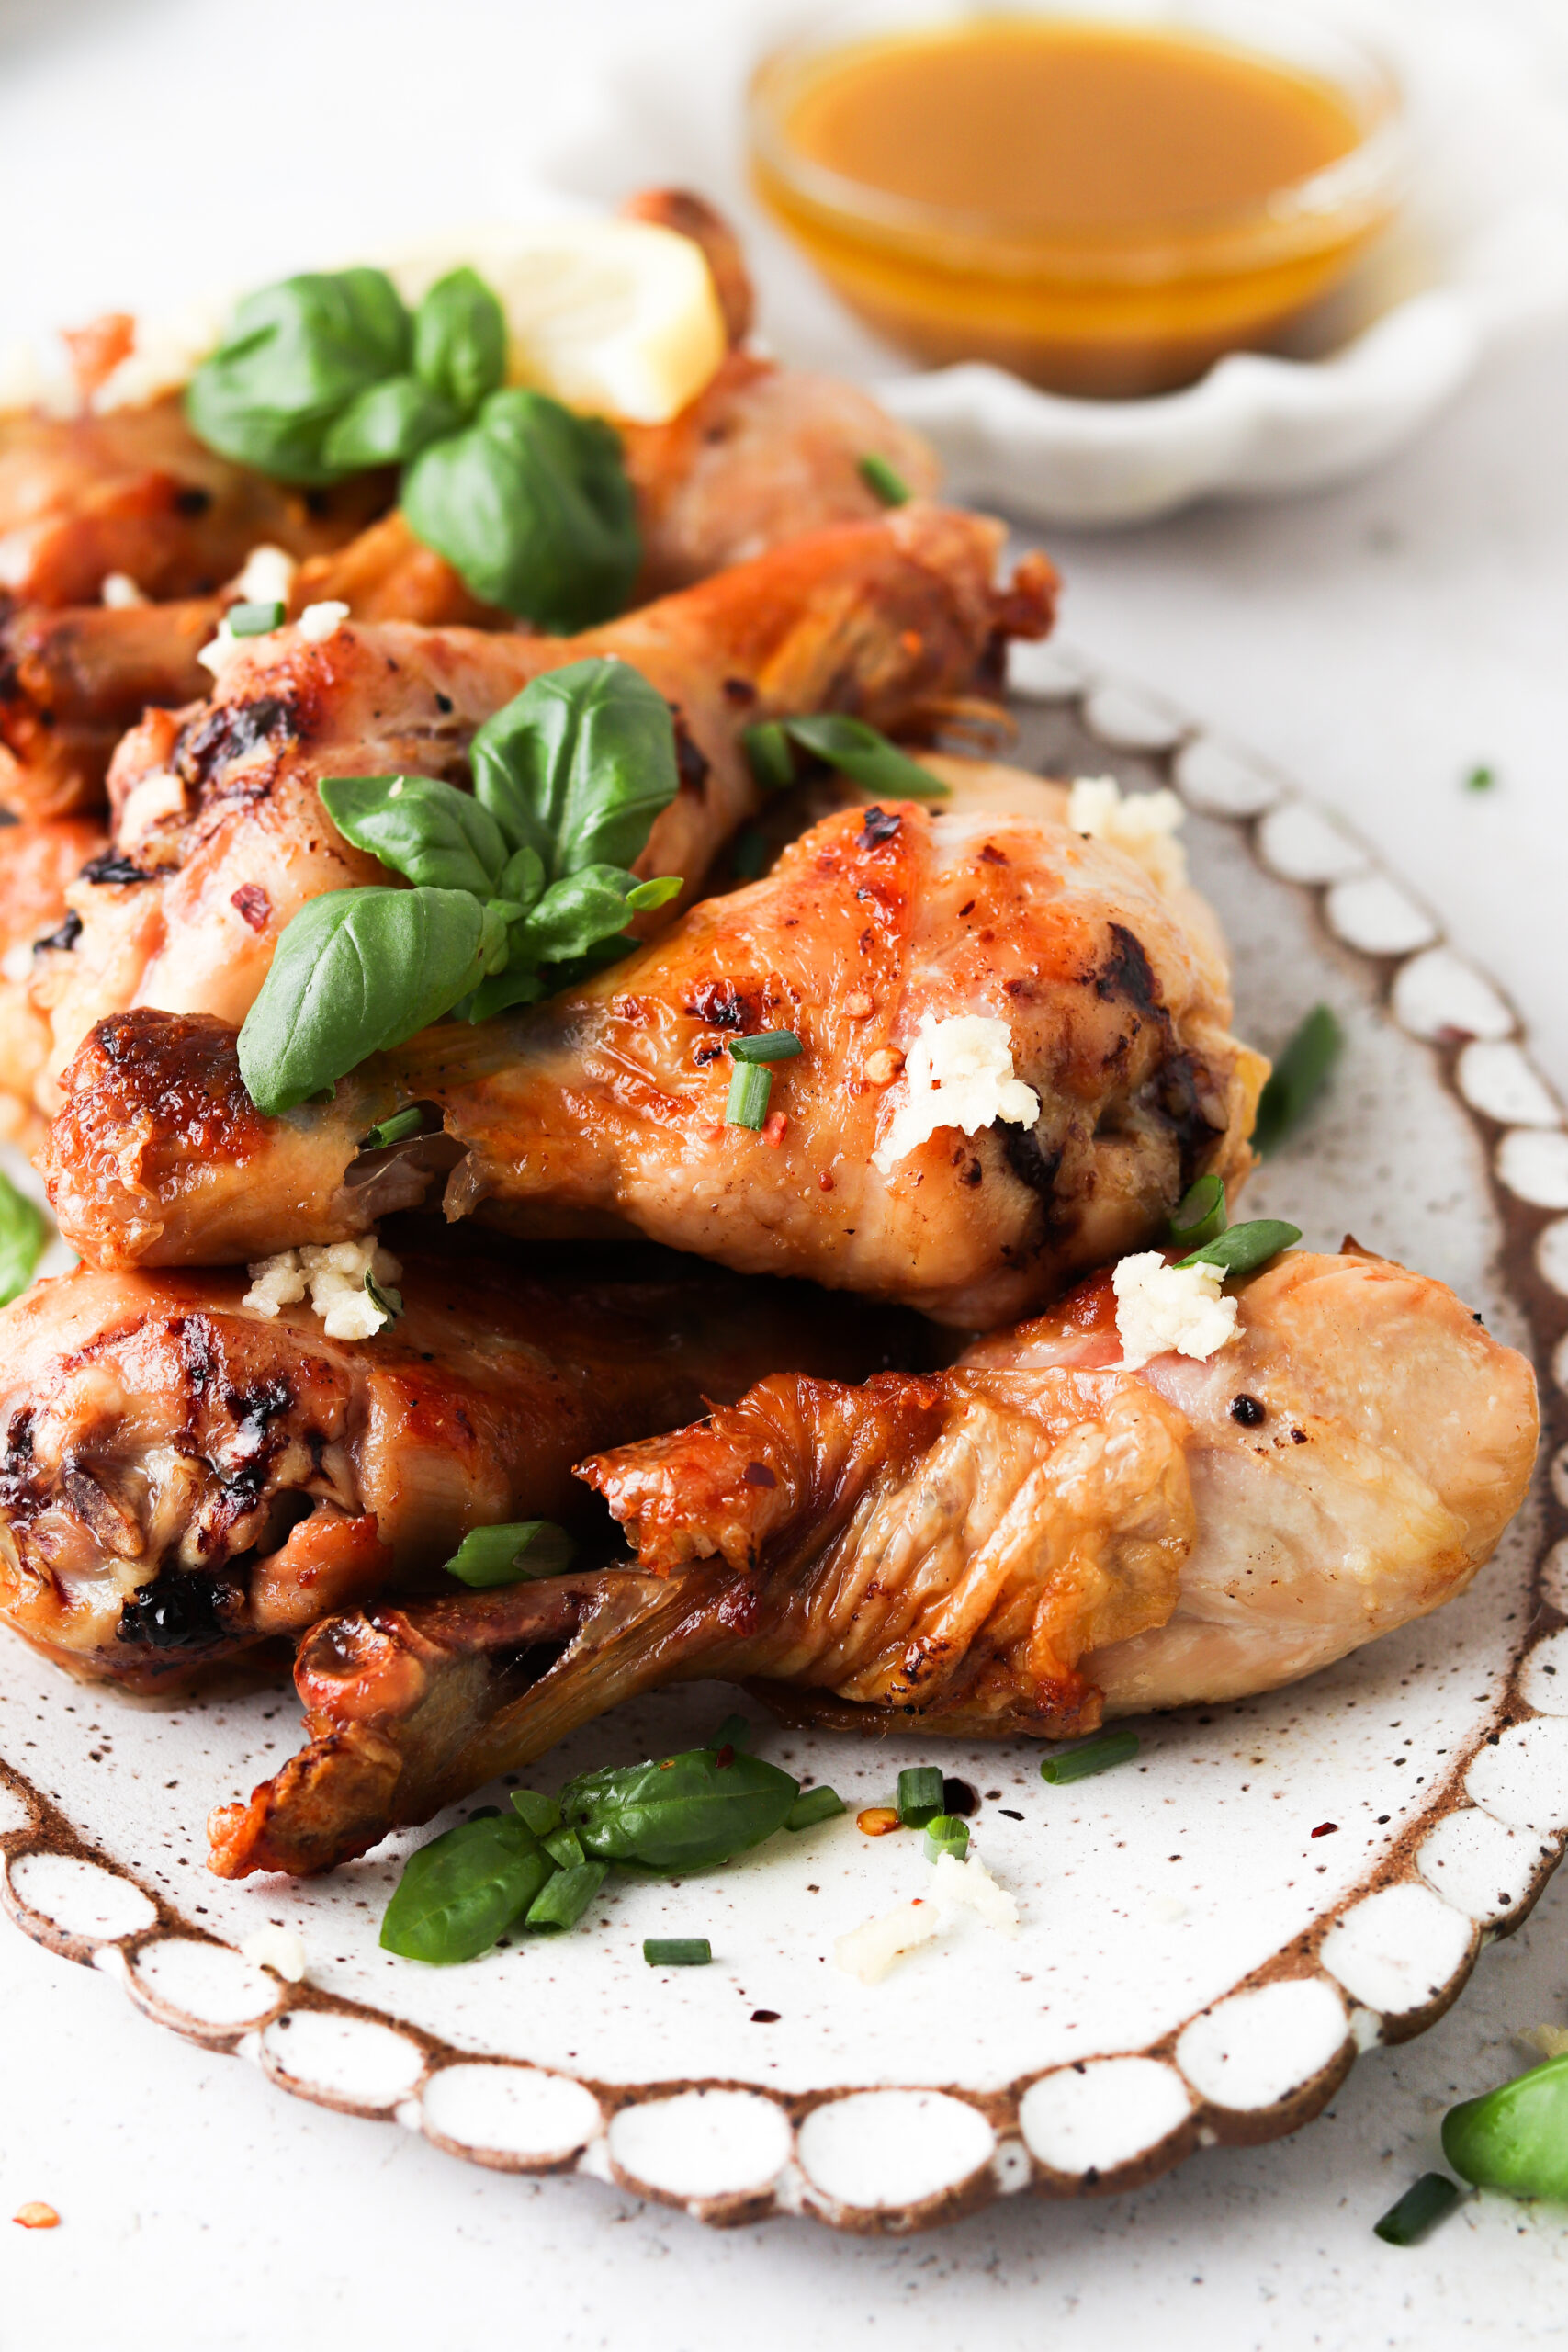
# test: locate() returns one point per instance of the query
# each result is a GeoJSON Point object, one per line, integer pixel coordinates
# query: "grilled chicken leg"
{"type": "Point", "coordinates": [182, 1478]}
{"type": "Point", "coordinates": [603, 1110]}
{"type": "Point", "coordinates": [1023, 1544]}
{"type": "Point", "coordinates": [217, 811]}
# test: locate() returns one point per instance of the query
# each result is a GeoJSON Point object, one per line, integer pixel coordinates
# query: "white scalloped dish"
{"type": "Point", "coordinates": [1208, 1935]}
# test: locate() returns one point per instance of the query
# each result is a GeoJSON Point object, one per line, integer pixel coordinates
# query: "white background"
{"type": "Point", "coordinates": [1377, 643]}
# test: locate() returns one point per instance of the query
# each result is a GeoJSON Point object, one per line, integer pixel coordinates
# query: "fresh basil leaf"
{"type": "Point", "coordinates": [459, 341]}
{"type": "Point", "coordinates": [385, 425]}
{"type": "Point", "coordinates": [464, 1889]}
{"type": "Point", "coordinates": [296, 355]}
{"type": "Point", "coordinates": [523, 877]}
{"type": "Point", "coordinates": [421, 828]}
{"type": "Point", "coordinates": [357, 971]}
{"type": "Point", "coordinates": [688, 1812]}
{"type": "Point", "coordinates": [578, 764]}
{"type": "Point", "coordinates": [22, 1235]}
{"type": "Point", "coordinates": [532, 505]}
{"type": "Point", "coordinates": [866, 757]}
{"type": "Point", "coordinates": [512, 1554]}
{"type": "Point", "coordinates": [574, 916]}
{"type": "Point", "coordinates": [514, 985]}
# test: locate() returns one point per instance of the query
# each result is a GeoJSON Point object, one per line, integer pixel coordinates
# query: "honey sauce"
{"type": "Point", "coordinates": [1102, 207]}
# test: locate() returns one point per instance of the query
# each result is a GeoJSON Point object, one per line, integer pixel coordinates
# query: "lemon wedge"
{"type": "Point", "coordinates": [615, 317]}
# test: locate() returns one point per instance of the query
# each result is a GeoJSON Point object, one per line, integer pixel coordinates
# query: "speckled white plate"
{"type": "Point", "coordinates": [1208, 1936]}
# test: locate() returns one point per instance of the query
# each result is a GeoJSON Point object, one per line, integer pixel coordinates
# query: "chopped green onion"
{"type": "Point", "coordinates": [1202, 1214]}
{"type": "Point", "coordinates": [1480, 779]}
{"type": "Point", "coordinates": [733, 1732]}
{"type": "Point", "coordinates": [564, 1848]}
{"type": "Point", "coordinates": [746, 1105]}
{"type": "Point", "coordinates": [1242, 1248]}
{"type": "Point", "coordinates": [541, 1812]}
{"type": "Point", "coordinates": [919, 1795]}
{"type": "Point", "coordinates": [657, 893]}
{"type": "Point", "coordinates": [1431, 2201]}
{"type": "Point", "coordinates": [563, 1899]}
{"type": "Point", "coordinates": [1092, 1756]}
{"type": "Point", "coordinates": [821, 1804]}
{"type": "Point", "coordinates": [512, 1553]}
{"type": "Point", "coordinates": [947, 1833]}
{"type": "Point", "coordinates": [883, 479]}
{"type": "Point", "coordinates": [677, 1951]}
{"type": "Point", "coordinates": [1298, 1078]}
{"type": "Point", "coordinates": [253, 620]}
{"type": "Point", "coordinates": [397, 1130]}
{"type": "Point", "coordinates": [767, 751]}
{"type": "Point", "coordinates": [769, 1046]}
{"type": "Point", "coordinates": [866, 757]}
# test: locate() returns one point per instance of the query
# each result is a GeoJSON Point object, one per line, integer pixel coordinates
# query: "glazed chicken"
{"type": "Point", "coordinates": [1026, 1543]}
{"type": "Point", "coordinates": [183, 1479]}
{"type": "Point", "coordinates": [37, 863]}
{"type": "Point", "coordinates": [223, 833]}
{"type": "Point", "coordinates": [761, 455]}
{"type": "Point", "coordinates": [603, 1110]}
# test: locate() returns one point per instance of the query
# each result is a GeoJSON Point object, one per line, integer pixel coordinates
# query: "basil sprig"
{"type": "Point", "coordinates": [21, 1240]}
{"type": "Point", "coordinates": [327, 375]}
{"type": "Point", "coordinates": [1514, 2138]}
{"type": "Point", "coordinates": [540, 1871]}
{"type": "Point", "coordinates": [517, 889]}
{"type": "Point", "coordinates": [856, 748]}
{"type": "Point", "coordinates": [513, 1554]}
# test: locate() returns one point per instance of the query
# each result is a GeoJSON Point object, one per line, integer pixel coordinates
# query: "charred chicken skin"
{"type": "Point", "coordinates": [183, 1479]}
{"type": "Point", "coordinates": [603, 1110]}
{"type": "Point", "coordinates": [1026, 1543]}
{"type": "Point", "coordinates": [220, 828]}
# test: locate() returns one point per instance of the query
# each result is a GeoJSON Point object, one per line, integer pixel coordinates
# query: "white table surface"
{"type": "Point", "coordinates": [1377, 643]}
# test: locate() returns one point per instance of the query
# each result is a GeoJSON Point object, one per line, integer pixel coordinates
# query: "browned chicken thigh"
{"type": "Point", "coordinates": [1022, 1544]}
{"type": "Point", "coordinates": [185, 1475]}
{"type": "Point", "coordinates": [604, 1109]}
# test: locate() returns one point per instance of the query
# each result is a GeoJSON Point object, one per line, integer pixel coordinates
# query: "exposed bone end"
{"type": "Point", "coordinates": [330, 1802]}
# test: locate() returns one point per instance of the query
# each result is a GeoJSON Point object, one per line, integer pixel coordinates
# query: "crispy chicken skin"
{"type": "Point", "coordinates": [217, 811]}
{"type": "Point", "coordinates": [1021, 1544]}
{"type": "Point", "coordinates": [603, 1110]}
{"type": "Point", "coordinates": [182, 1479]}
{"type": "Point", "coordinates": [37, 862]}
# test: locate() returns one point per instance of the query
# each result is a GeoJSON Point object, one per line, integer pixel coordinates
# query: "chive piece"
{"type": "Point", "coordinates": [397, 1130]}
{"type": "Point", "coordinates": [562, 1900]}
{"type": "Point", "coordinates": [919, 1794]}
{"type": "Point", "coordinates": [564, 1848]}
{"type": "Point", "coordinates": [748, 1091]}
{"type": "Point", "coordinates": [733, 1732]}
{"type": "Point", "coordinates": [866, 757]}
{"type": "Point", "coordinates": [253, 620]}
{"type": "Point", "coordinates": [512, 1553]}
{"type": "Point", "coordinates": [541, 1812]}
{"type": "Point", "coordinates": [1431, 2200]}
{"type": "Point", "coordinates": [768, 1046]}
{"type": "Point", "coordinates": [1242, 1248]}
{"type": "Point", "coordinates": [884, 479]}
{"type": "Point", "coordinates": [1092, 1756]}
{"type": "Point", "coordinates": [821, 1804]}
{"type": "Point", "coordinates": [677, 1951]}
{"type": "Point", "coordinates": [1202, 1214]}
{"type": "Point", "coordinates": [767, 751]}
{"type": "Point", "coordinates": [1481, 779]}
{"type": "Point", "coordinates": [946, 1833]}
{"type": "Point", "coordinates": [1298, 1078]}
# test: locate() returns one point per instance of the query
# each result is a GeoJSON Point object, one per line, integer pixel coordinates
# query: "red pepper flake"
{"type": "Point", "coordinates": [1326, 1829]}
{"type": "Point", "coordinates": [36, 2216]}
{"type": "Point", "coordinates": [876, 1821]}
{"type": "Point", "coordinates": [992, 855]}
{"type": "Point", "coordinates": [725, 1757]}
{"type": "Point", "coordinates": [757, 1474]}
{"type": "Point", "coordinates": [824, 1182]}
{"type": "Point", "coordinates": [775, 1127]}
{"type": "Point", "coordinates": [251, 905]}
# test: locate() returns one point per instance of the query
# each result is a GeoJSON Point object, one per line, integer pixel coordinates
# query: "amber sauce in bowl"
{"type": "Point", "coordinates": [1104, 206]}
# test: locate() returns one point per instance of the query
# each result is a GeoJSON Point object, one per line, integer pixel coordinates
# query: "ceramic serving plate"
{"type": "Point", "coordinates": [1209, 1934]}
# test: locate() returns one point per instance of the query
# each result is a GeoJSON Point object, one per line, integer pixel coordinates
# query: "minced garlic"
{"type": "Point", "coordinates": [1162, 1310]}
{"type": "Point", "coordinates": [869, 1951]}
{"type": "Point", "coordinates": [279, 1949]}
{"type": "Point", "coordinates": [318, 621]}
{"type": "Point", "coordinates": [334, 1272]}
{"type": "Point", "coordinates": [958, 1073]}
{"type": "Point", "coordinates": [969, 1885]}
{"type": "Point", "coordinates": [1143, 826]}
